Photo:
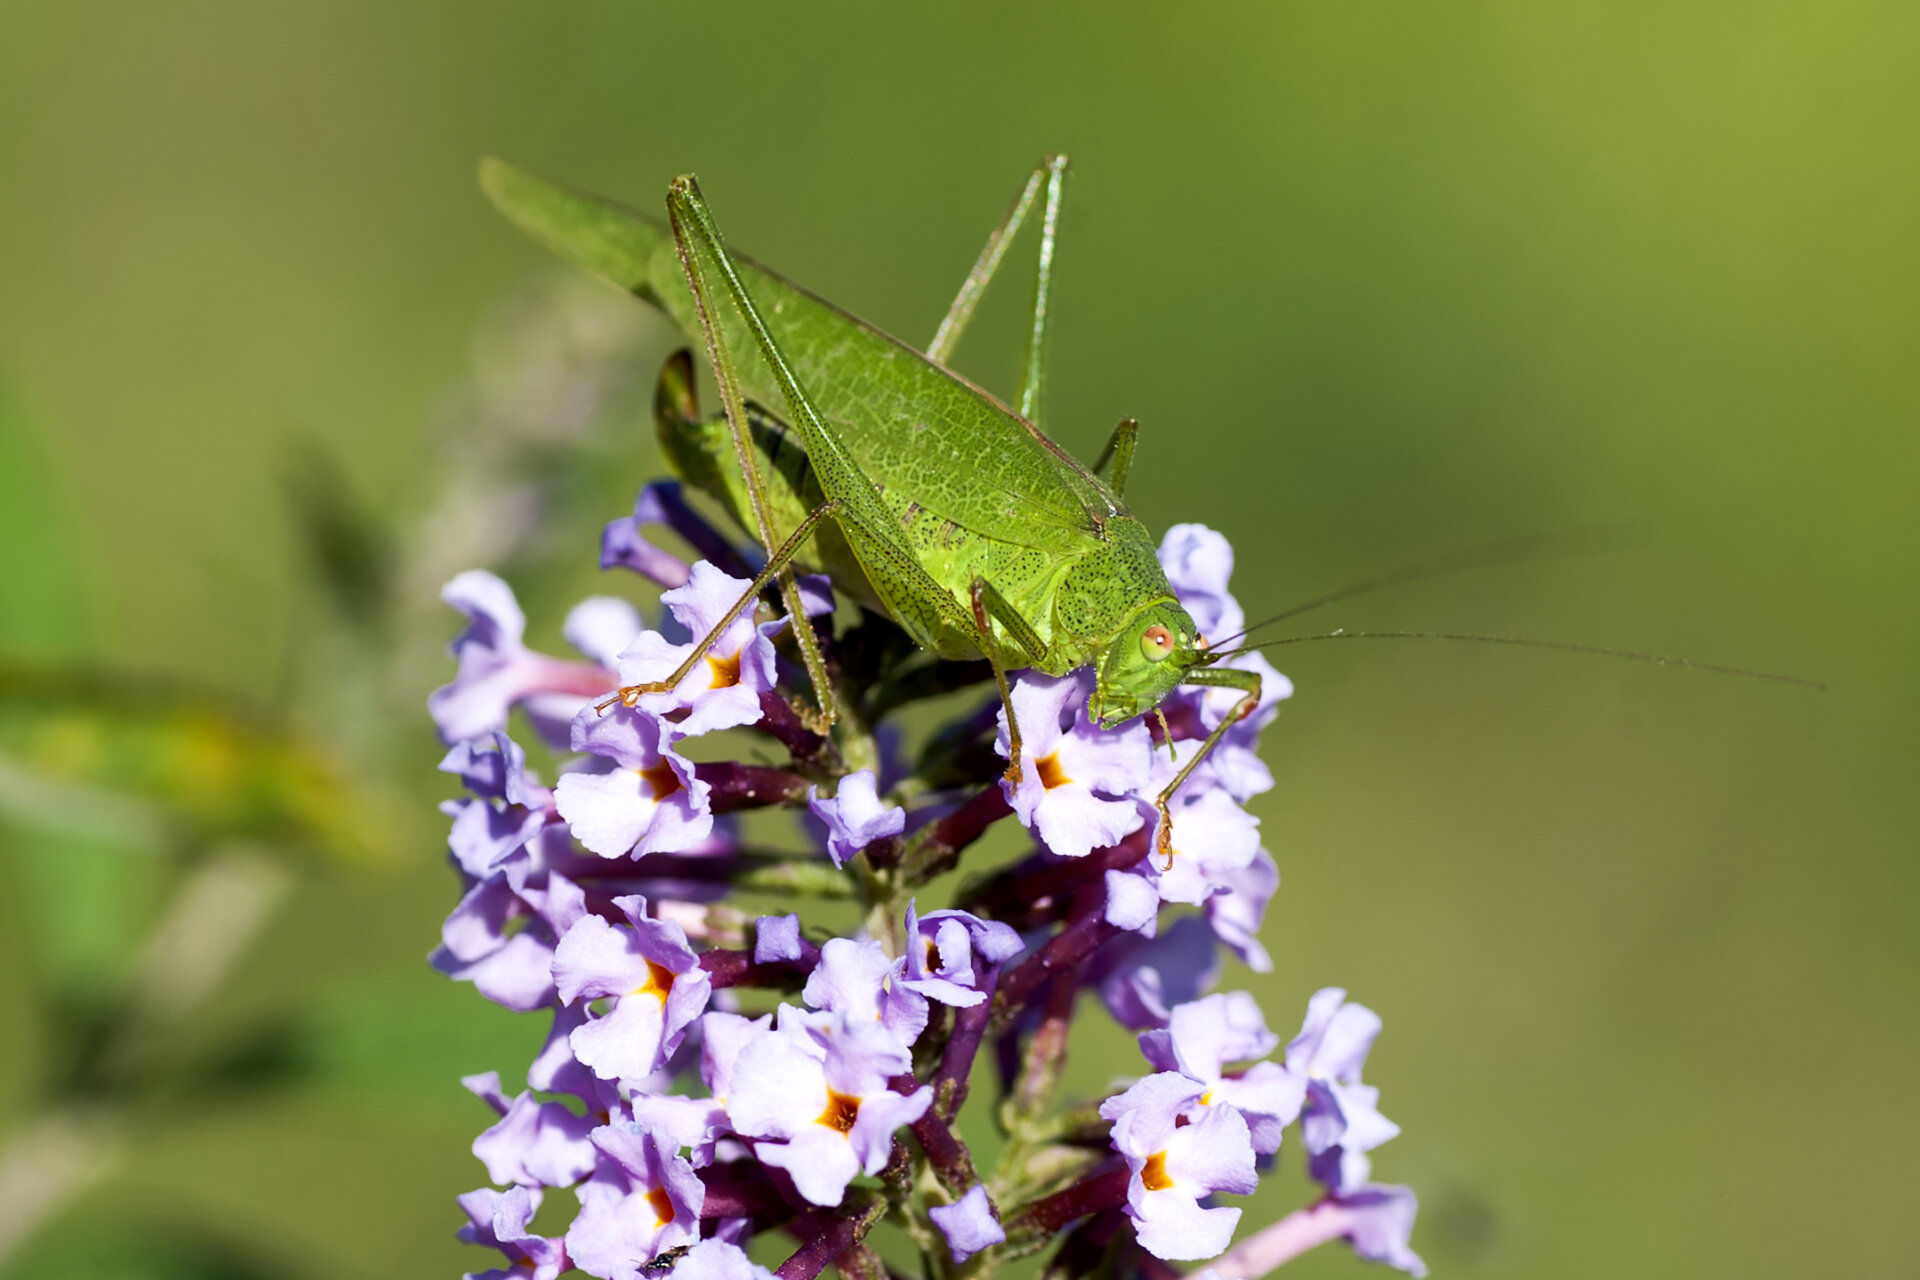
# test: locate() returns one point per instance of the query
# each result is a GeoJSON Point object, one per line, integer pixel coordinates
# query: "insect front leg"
{"type": "Point", "coordinates": [1220, 678]}
{"type": "Point", "coordinates": [1120, 449]}
{"type": "Point", "coordinates": [776, 563]}
{"type": "Point", "coordinates": [1051, 173]}
{"type": "Point", "coordinates": [721, 358]}
{"type": "Point", "coordinates": [988, 602]}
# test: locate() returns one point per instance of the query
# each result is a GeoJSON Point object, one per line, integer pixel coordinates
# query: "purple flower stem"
{"type": "Point", "coordinates": [749, 786]}
{"type": "Point", "coordinates": [1047, 1051]}
{"type": "Point", "coordinates": [1085, 1247]}
{"type": "Point", "coordinates": [1106, 1189]}
{"type": "Point", "coordinates": [700, 535]}
{"type": "Point", "coordinates": [948, 1155]}
{"type": "Point", "coordinates": [1034, 889]}
{"type": "Point", "coordinates": [733, 1193]}
{"type": "Point", "coordinates": [936, 848]}
{"type": "Point", "coordinates": [778, 718]}
{"type": "Point", "coordinates": [729, 968]}
{"type": "Point", "coordinates": [840, 1235]}
{"type": "Point", "coordinates": [951, 1077]}
{"type": "Point", "coordinates": [1271, 1247]}
{"type": "Point", "coordinates": [1065, 950]}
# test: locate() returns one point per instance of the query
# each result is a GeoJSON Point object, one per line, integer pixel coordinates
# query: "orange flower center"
{"type": "Point", "coordinates": [841, 1112]}
{"type": "Point", "coordinates": [660, 779]}
{"type": "Point", "coordinates": [659, 982]}
{"type": "Point", "coordinates": [726, 671]}
{"type": "Point", "coordinates": [1153, 1175]}
{"type": "Point", "coordinates": [662, 1206]}
{"type": "Point", "coordinates": [1051, 774]}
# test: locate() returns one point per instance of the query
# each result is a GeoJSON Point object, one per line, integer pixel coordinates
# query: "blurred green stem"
{"type": "Point", "coordinates": [217, 911]}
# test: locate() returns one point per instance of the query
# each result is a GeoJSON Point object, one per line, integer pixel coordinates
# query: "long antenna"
{"type": "Point", "coordinates": [1566, 646]}
{"type": "Point", "coordinates": [1531, 546]}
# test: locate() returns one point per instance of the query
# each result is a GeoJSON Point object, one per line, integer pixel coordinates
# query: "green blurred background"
{"type": "Point", "coordinates": [1379, 280]}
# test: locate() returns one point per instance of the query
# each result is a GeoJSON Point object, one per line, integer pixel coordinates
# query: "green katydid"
{"type": "Point", "coordinates": [936, 503]}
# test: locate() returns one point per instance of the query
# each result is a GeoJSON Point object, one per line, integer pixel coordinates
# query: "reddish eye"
{"type": "Point", "coordinates": [1156, 642]}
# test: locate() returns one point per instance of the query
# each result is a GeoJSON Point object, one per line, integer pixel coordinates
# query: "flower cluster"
{"type": "Point", "coordinates": [710, 1074]}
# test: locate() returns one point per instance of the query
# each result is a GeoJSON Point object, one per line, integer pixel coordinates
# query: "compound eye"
{"type": "Point", "coordinates": [1156, 642]}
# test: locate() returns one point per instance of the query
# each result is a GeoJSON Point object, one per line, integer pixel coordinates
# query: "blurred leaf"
{"type": "Point", "coordinates": [350, 551]}
{"type": "Point", "coordinates": [127, 1253]}
{"type": "Point", "coordinates": [40, 602]}
{"type": "Point", "coordinates": [161, 762]}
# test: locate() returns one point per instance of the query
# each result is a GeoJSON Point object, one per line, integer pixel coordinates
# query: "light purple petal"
{"type": "Point", "coordinates": [655, 806]}
{"type": "Point", "coordinates": [1238, 912]}
{"type": "Point", "coordinates": [600, 627]}
{"type": "Point", "coordinates": [1334, 1039]}
{"type": "Point", "coordinates": [518, 976]}
{"type": "Point", "coordinates": [1381, 1224]}
{"type": "Point", "coordinates": [535, 1142]}
{"type": "Point", "coordinates": [1215, 1030]}
{"type": "Point", "coordinates": [717, 1259]}
{"type": "Point", "coordinates": [1171, 1226]}
{"type": "Point", "coordinates": [623, 545]}
{"type": "Point", "coordinates": [820, 1161]}
{"type": "Point", "coordinates": [1144, 1116]}
{"type": "Point", "coordinates": [1198, 563]}
{"type": "Point", "coordinates": [1175, 967]}
{"type": "Point", "coordinates": [722, 1037]}
{"type": "Point", "coordinates": [1133, 903]}
{"type": "Point", "coordinates": [854, 815]}
{"type": "Point", "coordinates": [969, 1223]}
{"type": "Point", "coordinates": [881, 1115]}
{"type": "Point", "coordinates": [779, 1087]}
{"type": "Point", "coordinates": [1214, 1153]}
{"type": "Point", "coordinates": [776, 938]}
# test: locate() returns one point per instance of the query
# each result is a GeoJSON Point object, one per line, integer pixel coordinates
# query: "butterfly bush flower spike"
{"type": "Point", "coordinates": [743, 1038]}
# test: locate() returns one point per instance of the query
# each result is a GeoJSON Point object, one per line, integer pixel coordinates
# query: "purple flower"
{"type": "Point", "coordinates": [1176, 1165]}
{"type": "Point", "coordinates": [480, 943]}
{"type": "Point", "coordinates": [1154, 976]}
{"type": "Point", "coordinates": [821, 1107]}
{"type": "Point", "coordinates": [723, 692]}
{"type": "Point", "coordinates": [1342, 1115]}
{"type": "Point", "coordinates": [1203, 1036]}
{"type": "Point", "coordinates": [718, 1259]}
{"type": "Point", "coordinates": [859, 983]}
{"type": "Point", "coordinates": [1133, 902]}
{"type": "Point", "coordinates": [1075, 784]}
{"type": "Point", "coordinates": [499, 1220]}
{"type": "Point", "coordinates": [622, 543]}
{"type": "Point", "coordinates": [643, 796]}
{"type": "Point", "coordinates": [776, 938]}
{"type": "Point", "coordinates": [602, 627]}
{"type": "Point", "coordinates": [1380, 1225]}
{"type": "Point", "coordinates": [1240, 908]}
{"type": "Point", "coordinates": [641, 1201]}
{"type": "Point", "coordinates": [1376, 1220]}
{"type": "Point", "coordinates": [941, 966]}
{"type": "Point", "coordinates": [651, 976]}
{"type": "Point", "coordinates": [507, 806]}
{"type": "Point", "coordinates": [535, 1143]}
{"type": "Point", "coordinates": [1212, 838]}
{"type": "Point", "coordinates": [554, 1069]}
{"type": "Point", "coordinates": [969, 1223]}
{"type": "Point", "coordinates": [496, 669]}
{"type": "Point", "coordinates": [1198, 563]}
{"type": "Point", "coordinates": [854, 816]}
